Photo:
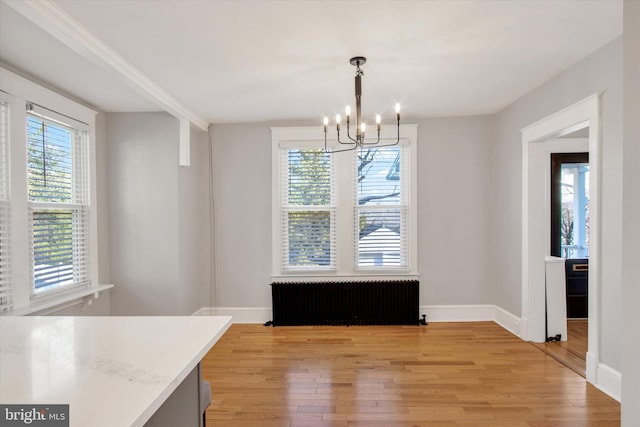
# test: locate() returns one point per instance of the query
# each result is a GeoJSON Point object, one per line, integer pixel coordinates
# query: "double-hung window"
{"type": "Point", "coordinates": [382, 207]}
{"type": "Point", "coordinates": [308, 209]}
{"type": "Point", "coordinates": [351, 213]}
{"type": "Point", "coordinates": [57, 168]}
{"type": "Point", "coordinates": [48, 217]}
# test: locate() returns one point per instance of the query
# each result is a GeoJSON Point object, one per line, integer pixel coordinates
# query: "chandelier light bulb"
{"type": "Point", "coordinates": [362, 127]}
{"type": "Point", "coordinates": [397, 108]}
{"type": "Point", "coordinates": [347, 111]}
{"type": "Point", "coordinates": [338, 118]}
{"type": "Point", "coordinates": [378, 119]}
{"type": "Point", "coordinates": [326, 121]}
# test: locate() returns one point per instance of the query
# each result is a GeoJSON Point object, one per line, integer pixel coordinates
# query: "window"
{"type": "Point", "coordinates": [48, 217]}
{"type": "Point", "coordinates": [57, 168]}
{"type": "Point", "coordinates": [570, 205]}
{"type": "Point", "coordinates": [5, 273]}
{"type": "Point", "coordinates": [381, 208]}
{"type": "Point", "coordinates": [347, 213]}
{"type": "Point", "coordinates": [308, 209]}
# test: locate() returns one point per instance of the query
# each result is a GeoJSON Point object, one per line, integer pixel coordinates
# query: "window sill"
{"type": "Point", "coordinates": [87, 294]}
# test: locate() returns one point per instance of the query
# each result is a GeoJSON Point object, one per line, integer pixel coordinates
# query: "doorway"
{"type": "Point", "coordinates": [537, 144]}
{"type": "Point", "coordinates": [569, 237]}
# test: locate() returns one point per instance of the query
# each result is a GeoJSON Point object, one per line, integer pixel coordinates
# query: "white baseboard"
{"type": "Point", "coordinates": [609, 381]}
{"type": "Point", "coordinates": [507, 320]}
{"type": "Point", "coordinates": [458, 313]}
{"type": "Point", "coordinates": [238, 314]}
{"type": "Point", "coordinates": [472, 313]}
{"type": "Point", "coordinates": [435, 313]}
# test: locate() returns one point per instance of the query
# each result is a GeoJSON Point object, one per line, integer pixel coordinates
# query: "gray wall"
{"type": "Point", "coordinates": [242, 186]}
{"type": "Point", "coordinates": [599, 73]}
{"type": "Point", "coordinates": [151, 212]}
{"type": "Point", "coordinates": [631, 216]}
{"type": "Point", "coordinates": [454, 210]}
{"type": "Point", "coordinates": [454, 223]}
{"type": "Point", "coordinates": [194, 233]}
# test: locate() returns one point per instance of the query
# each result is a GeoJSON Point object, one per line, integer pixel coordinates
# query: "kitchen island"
{"type": "Point", "coordinates": [111, 371]}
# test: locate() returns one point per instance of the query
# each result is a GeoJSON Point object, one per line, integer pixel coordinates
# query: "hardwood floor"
{"type": "Point", "coordinates": [573, 352]}
{"type": "Point", "coordinates": [443, 374]}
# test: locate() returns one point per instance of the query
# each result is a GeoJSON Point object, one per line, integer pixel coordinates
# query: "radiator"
{"type": "Point", "coordinates": [345, 303]}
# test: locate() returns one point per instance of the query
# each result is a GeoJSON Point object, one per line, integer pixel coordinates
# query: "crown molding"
{"type": "Point", "coordinates": [58, 23]}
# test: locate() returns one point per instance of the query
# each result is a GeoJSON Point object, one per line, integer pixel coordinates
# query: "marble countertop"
{"type": "Point", "coordinates": [112, 371]}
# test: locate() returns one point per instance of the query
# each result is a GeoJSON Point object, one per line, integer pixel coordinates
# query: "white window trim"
{"type": "Point", "coordinates": [313, 136]}
{"type": "Point", "coordinates": [24, 91]}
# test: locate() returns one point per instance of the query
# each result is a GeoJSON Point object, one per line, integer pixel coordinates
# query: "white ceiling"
{"type": "Point", "coordinates": [240, 61]}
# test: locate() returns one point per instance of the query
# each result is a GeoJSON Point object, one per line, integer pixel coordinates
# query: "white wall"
{"type": "Point", "coordinates": [599, 73]}
{"type": "Point", "coordinates": [631, 216]}
{"type": "Point", "coordinates": [153, 217]}
{"type": "Point", "coordinates": [454, 222]}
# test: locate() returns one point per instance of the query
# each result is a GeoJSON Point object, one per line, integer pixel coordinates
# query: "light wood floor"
{"type": "Point", "coordinates": [573, 352]}
{"type": "Point", "coordinates": [443, 374]}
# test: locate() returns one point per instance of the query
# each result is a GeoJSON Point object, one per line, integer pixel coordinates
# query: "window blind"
{"type": "Point", "coordinates": [381, 208]}
{"type": "Point", "coordinates": [58, 176]}
{"type": "Point", "coordinates": [5, 254]}
{"type": "Point", "coordinates": [308, 209]}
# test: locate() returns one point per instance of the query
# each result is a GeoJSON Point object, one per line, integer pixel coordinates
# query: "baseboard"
{"type": "Point", "coordinates": [609, 381]}
{"type": "Point", "coordinates": [435, 313]}
{"type": "Point", "coordinates": [203, 311]}
{"type": "Point", "coordinates": [458, 313]}
{"type": "Point", "coordinates": [507, 320]}
{"type": "Point", "coordinates": [238, 314]}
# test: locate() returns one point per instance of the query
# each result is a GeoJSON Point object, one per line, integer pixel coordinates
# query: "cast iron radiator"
{"type": "Point", "coordinates": [392, 302]}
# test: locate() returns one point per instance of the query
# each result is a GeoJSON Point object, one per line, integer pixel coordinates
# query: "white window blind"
{"type": "Point", "coordinates": [5, 235]}
{"type": "Point", "coordinates": [381, 208]}
{"type": "Point", "coordinates": [308, 209]}
{"type": "Point", "coordinates": [58, 186]}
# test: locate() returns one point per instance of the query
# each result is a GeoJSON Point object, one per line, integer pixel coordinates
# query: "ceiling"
{"type": "Point", "coordinates": [243, 61]}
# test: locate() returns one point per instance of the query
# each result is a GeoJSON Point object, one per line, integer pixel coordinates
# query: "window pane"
{"type": "Point", "coordinates": [381, 239]}
{"type": "Point", "coordinates": [49, 161]}
{"type": "Point", "coordinates": [379, 176]}
{"type": "Point", "coordinates": [574, 231]}
{"type": "Point", "coordinates": [52, 248]}
{"type": "Point", "coordinates": [309, 238]}
{"type": "Point", "coordinates": [309, 178]}
{"type": "Point", "coordinates": [56, 232]}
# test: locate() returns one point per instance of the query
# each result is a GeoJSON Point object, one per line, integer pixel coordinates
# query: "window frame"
{"type": "Point", "coordinates": [346, 255]}
{"type": "Point", "coordinates": [24, 92]}
{"type": "Point", "coordinates": [6, 297]}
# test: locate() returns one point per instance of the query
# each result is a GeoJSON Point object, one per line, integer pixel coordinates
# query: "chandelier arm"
{"type": "Point", "coordinates": [353, 147]}
{"type": "Point", "coordinates": [386, 145]}
{"type": "Point", "coordinates": [372, 143]}
{"type": "Point", "coordinates": [343, 142]}
{"type": "Point", "coordinates": [355, 141]}
{"type": "Point", "coordinates": [326, 149]}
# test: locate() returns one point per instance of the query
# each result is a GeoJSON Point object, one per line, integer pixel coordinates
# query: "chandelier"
{"type": "Point", "coordinates": [358, 140]}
